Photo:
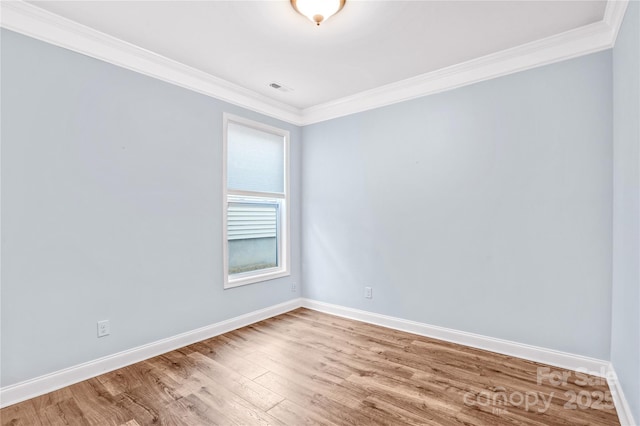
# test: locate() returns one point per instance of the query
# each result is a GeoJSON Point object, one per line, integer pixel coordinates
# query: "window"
{"type": "Point", "coordinates": [256, 202]}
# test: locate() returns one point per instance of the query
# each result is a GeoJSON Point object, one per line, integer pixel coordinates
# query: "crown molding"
{"type": "Point", "coordinates": [613, 16]}
{"type": "Point", "coordinates": [580, 41]}
{"type": "Point", "coordinates": [30, 20]}
{"type": "Point", "coordinates": [35, 22]}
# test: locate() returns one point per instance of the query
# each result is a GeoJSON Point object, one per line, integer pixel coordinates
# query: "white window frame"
{"type": "Point", "coordinates": [283, 240]}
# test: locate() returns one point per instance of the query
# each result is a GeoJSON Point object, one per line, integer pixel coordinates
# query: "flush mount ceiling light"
{"type": "Point", "coordinates": [317, 10]}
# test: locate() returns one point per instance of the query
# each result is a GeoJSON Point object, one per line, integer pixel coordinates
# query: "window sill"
{"type": "Point", "coordinates": [255, 278]}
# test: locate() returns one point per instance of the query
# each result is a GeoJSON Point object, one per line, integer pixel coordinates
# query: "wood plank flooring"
{"type": "Point", "coordinates": [309, 368]}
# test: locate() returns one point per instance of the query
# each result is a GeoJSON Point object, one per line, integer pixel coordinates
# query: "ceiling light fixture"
{"type": "Point", "coordinates": [317, 10]}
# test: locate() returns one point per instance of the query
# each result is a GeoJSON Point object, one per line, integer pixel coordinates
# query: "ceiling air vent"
{"type": "Point", "coordinates": [280, 87]}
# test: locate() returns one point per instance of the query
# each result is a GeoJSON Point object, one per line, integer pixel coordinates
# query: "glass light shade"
{"type": "Point", "coordinates": [318, 10]}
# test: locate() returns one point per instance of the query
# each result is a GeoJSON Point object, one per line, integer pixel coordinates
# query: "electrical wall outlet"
{"type": "Point", "coordinates": [294, 287]}
{"type": "Point", "coordinates": [103, 328]}
{"type": "Point", "coordinates": [368, 292]}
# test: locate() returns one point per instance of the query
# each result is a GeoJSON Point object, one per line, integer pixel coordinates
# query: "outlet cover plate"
{"type": "Point", "coordinates": [103, 328]}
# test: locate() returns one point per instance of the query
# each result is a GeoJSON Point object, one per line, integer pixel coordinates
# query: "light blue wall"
{"type": "Point", "coordinates": [625, 336]}
{"type": "Point", "coordinates": [485, 209]}
{"type": "Point", "coordinates": [111, 209]}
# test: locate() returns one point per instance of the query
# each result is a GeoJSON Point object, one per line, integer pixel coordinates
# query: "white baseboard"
{"type": "Point", "coordinates": [552, 357]}
{"type": "Point", "coordinates": [41, 385]}
{"type": "Point", "coordinates": [22, 391]}
{"type": "Point", "coordinates": [622, 406]}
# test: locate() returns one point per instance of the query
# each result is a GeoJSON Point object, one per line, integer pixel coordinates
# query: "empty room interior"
{"type": "Point", "coordinates": [320, 212]}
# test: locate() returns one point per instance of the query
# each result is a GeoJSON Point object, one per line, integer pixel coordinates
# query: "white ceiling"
{"type": "Point", "coordinates": [367, 45]}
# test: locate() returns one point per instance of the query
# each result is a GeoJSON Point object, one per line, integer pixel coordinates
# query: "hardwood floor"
{"type": "Point", "coordinates": [306, 368]}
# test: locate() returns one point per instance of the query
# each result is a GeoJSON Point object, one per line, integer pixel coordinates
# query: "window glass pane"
{"type": "Point", "coordinates": [255, 160]}
{"type": "Point", "coordinates": [252, 229]}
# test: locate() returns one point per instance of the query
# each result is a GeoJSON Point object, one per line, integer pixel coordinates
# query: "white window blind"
{"type": "Point", "coordinates": [255, 160]}
{"type": "Point", "coordinates": [256, 217]}
{"type": "Point", "coordinates": [247, 221]}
